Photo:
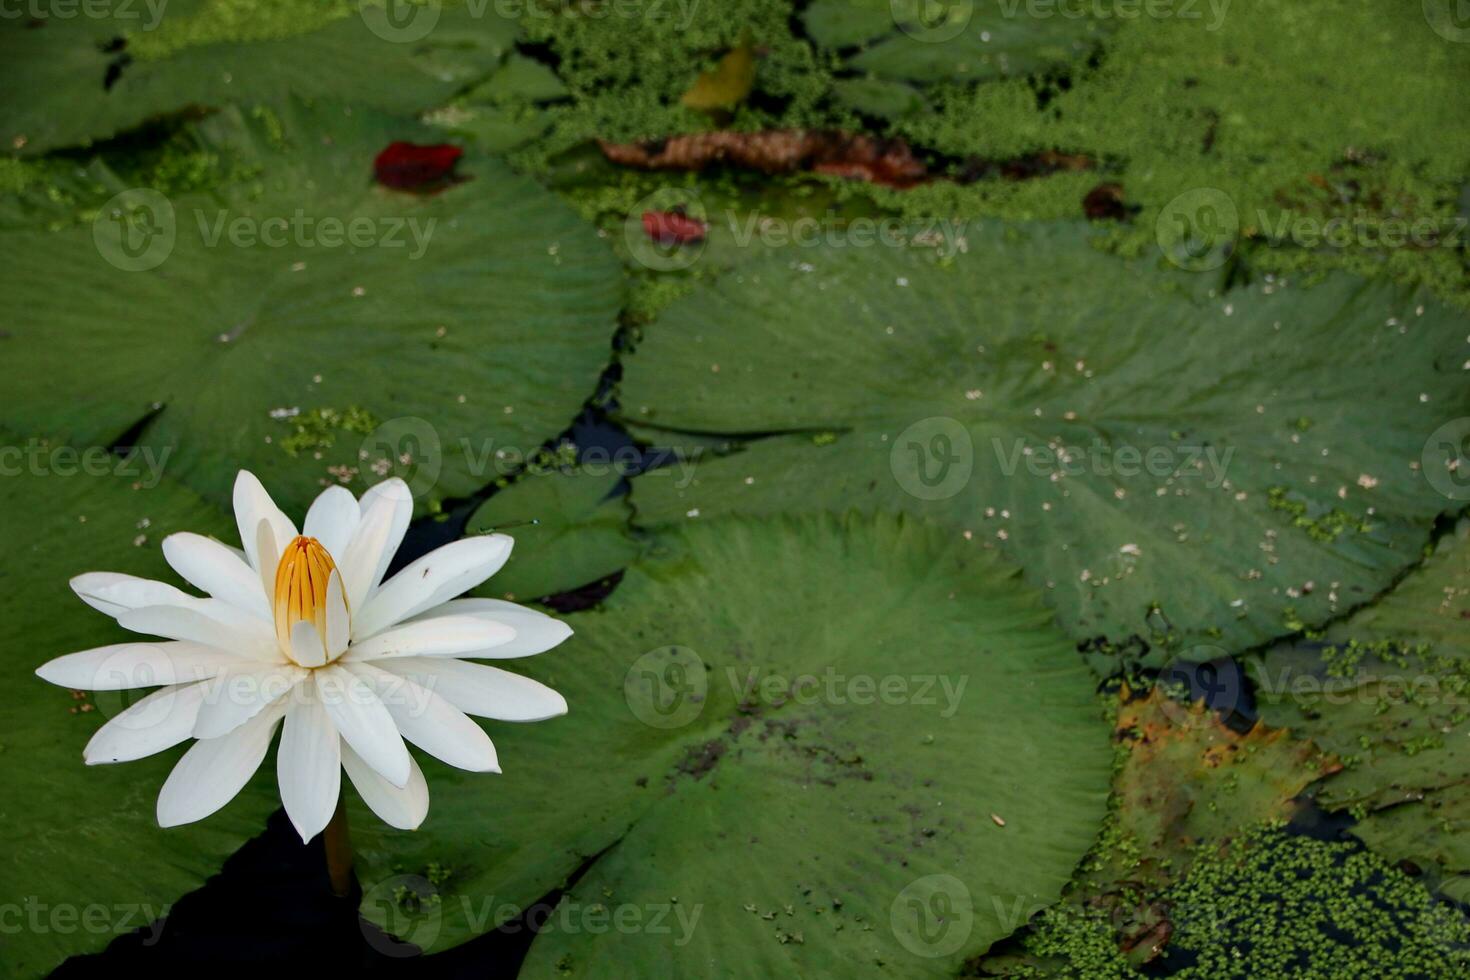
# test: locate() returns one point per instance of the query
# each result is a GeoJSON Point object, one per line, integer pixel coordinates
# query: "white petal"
{"type": "Point", "coordinates": [339, 623]}
{"type": "Point", "coordinates": [213, 568]}
{"type": "Point", "coordinates": [267, 558]}
{"type": "Point", "coordinates": [445, 636]}
{"type": "Point", "coordinates": [478, 689]}
{"type": "Point", "coordinates": [208, 621]}
{"type": "Point", "coordinates": [114, 593]}
{"type": "Point", "coordinates": [214, 770]}
{"type": "Point", "coordinates": [386, 510]}
{"type": "Point", "coordinates": [253, 505]}
{"type": "Point", "coordinates": [238, 694]}
{"type": "Point", "coordinates": [333, 516]}
{"type": "Point", "coordinates": [430, 722]}
{"type": "Point", "coordinates": [124, 666]}
{"type": "Point", "coordinates": [364, 722]}
{"type": "Point", "coordinates": [307, 647]}
{"type": "Point", "coordinates": [536, 632]}
{"type": "Point", "coordinates": [160, 721]}
{"type": "Point", "coordinates": [403, 808]}
{"type": "Point", "coordinates": [309, 766]}
{"type": "Point", "coordinates": [440, 575]}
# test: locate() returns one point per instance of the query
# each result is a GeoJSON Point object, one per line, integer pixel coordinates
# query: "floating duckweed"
{"type": "Point", "coordinates": [1268, 906]}
{"type": "Point", "coordinates": [1327, 527]}
{"type": "Point", "coordinates": [317, 429]}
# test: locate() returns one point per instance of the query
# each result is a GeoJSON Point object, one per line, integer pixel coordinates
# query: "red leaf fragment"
{"type": "Point", "coordinates": [673, 228]}
{"type": "Point", "coordinates": [409, 166]}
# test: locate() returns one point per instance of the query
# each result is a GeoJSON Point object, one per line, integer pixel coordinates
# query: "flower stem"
{"type": "Point", "coordinates": [339, 852]}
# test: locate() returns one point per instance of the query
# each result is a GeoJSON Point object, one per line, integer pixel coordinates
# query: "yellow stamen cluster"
{"type": "Point", "coordinates": [301, 587]}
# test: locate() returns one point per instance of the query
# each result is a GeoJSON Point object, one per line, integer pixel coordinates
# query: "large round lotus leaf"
{"type": "Point", "coordinates": [570, 528]}
{"type": "Point", "coordinates": [1389, 691]}
{"type": "Point", "coordinates": [74, 78]}
{"type": "Point", "coordinates": [1168, 469]}
{"type": "Point", "coordinates": [84, 858]}
{"type": "Point", "coordinates": [825, 745]}
{"type": "Point", "coordinates": [344, 331]}
{"type": "Point", "coordinates": [969, 40]}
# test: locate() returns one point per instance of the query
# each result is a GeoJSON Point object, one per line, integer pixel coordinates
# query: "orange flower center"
{"type": "Point", "coordinates": [301, 587]}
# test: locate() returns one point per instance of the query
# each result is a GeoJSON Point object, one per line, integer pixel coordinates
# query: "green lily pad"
{"type": "Point", "coordinates": [85, 860]}
{"type": "Point", "coordinates": [1172, 471]}
{"type": "Point", "coordinates": [971, 40]}
{"type": "Point", "coordinates": [1431, 834]}
{"type": "Point", "coordinates": [886, 100]}
{"type": "Point", "coordinates": [309, 324]}
{"type": "Point", "coordinates": [580, 532]}
{"type": "Point", "coordinates": [520, 79]}
{"type": "Point", "coordinates": [1389, 691]}
{"type": "Point", "coordinates": [825, 744]}
{"type": "Point", "coordinates": [501, 113]}
{"type": "Point", "coordinates": [75, 79]}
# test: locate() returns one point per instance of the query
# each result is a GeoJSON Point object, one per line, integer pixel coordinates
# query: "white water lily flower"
{"type": "Point", "coordinates": [300, 631]}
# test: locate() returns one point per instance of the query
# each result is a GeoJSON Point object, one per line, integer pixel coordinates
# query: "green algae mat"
{"type": "Point", "coordinates": [1003, 465]}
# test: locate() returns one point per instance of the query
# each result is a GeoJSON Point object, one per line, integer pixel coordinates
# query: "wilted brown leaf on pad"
{"type": "Point", "coordinates": [887, 162]}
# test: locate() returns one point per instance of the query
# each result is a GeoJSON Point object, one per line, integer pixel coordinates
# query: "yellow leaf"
{"type": "Point", "coordinates": [727, 84]}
